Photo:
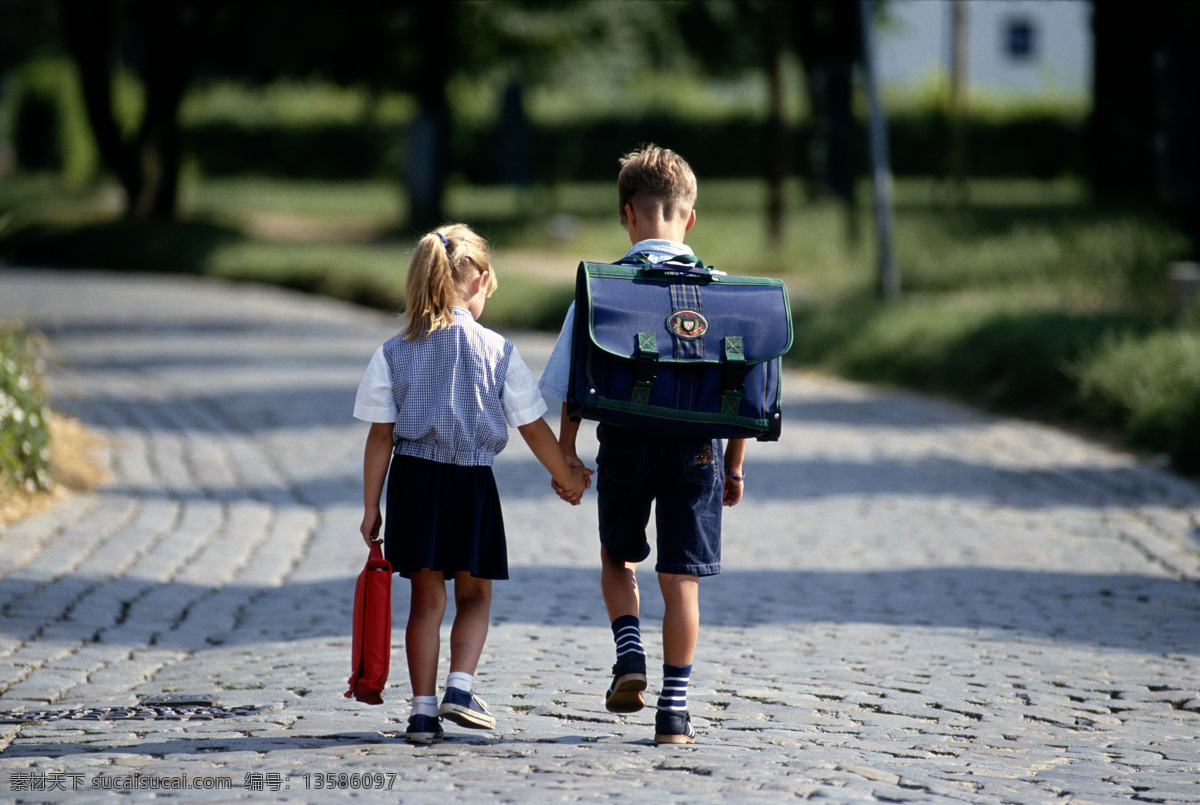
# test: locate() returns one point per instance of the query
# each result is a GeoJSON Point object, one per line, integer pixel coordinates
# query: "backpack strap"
{"type": "Point", "coordinates": [685, 296]}
{"type": "Point", "coordinates": [646, 371]}
{"type": "Point", "coordinates": [684, 264]}
{"type": "Point", "coordinates": [734, 376]}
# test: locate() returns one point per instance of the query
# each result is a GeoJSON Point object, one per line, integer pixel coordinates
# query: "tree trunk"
{"type": "Point", "coordinates": [88, 30]}
{"type": "Point", "coordinates": [829, 43]}
{"type": "Point", "coordinates": [777, 136]}
{"type": "Point", "coordinates": [1124, 103]}
{"type": "Point", "coordinates": [147, 164]}
{"type": "Point", "coordinates": [429, 137]}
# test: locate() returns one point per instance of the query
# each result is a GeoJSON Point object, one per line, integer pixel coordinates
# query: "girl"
{"type": "Point", "coordinates": [440, 397]}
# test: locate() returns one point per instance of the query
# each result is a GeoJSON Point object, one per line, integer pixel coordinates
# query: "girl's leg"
{"type": "Point", "coordinates": [423, 633]}
{"type": "Point", "coordinates": [473, 611]}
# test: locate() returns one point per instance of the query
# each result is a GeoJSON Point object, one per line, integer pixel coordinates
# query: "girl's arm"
{"type": "Point", "coordinates": [567, 433]}
{"type": "Point", "coordinates": [571, 480]}
{"type": "Point", "coordinates": [376, 458]}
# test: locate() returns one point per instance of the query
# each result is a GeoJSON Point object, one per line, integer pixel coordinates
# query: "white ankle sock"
{"type": "Point", "coordinates": [461, 680]}
{"type": "Point", "coordinates": [424, 706]}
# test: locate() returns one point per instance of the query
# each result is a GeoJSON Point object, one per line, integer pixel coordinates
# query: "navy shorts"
{"type": "Point", "coordinates": [444, 517]}
{"type": "Point", "coordinates": [683, 478]}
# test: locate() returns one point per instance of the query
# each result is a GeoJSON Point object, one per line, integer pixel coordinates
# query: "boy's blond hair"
{"type": "Point", "coordinates": [440, 273]}
{"type": "Point", "coordinates": [656, 177]}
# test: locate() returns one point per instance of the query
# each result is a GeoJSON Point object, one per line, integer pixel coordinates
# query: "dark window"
{"type": "Point", "coordinates": [1020, 39]}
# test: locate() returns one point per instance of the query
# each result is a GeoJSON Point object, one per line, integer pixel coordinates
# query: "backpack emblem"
{"type": "Point", "coordinates": [687, 324]}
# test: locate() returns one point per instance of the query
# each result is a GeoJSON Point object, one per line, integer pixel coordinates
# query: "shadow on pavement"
{"type": "Point", "coordinates": [166, 750]}
{"type": "Point", "coordinates": [786, 481]}
{"type": "Point", "coordinates": [1140, 613]}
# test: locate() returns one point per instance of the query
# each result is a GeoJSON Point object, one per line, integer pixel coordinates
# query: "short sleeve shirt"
{"type": "Point", "coordinates": [452, 395]}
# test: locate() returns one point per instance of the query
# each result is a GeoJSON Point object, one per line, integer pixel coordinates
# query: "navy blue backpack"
{"type": "Point", "coordinates": [678, 349]}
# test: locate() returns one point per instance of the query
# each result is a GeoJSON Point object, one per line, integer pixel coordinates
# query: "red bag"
{"type": "Point", "coordinates": [371, 649]}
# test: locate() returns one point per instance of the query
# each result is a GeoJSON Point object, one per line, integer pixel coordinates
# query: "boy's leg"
{"type": "Point", "coordinates": [681, 631]}
{"type": "Point", "coordinates": [681, 617]}
{"type": "Point", "coordinates": [618, 583]}
{"type": "Point", "coordinates": [624, 495]}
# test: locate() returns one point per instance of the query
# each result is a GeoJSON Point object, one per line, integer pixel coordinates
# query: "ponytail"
{"type": "Point", "coordinates": [439, 274]}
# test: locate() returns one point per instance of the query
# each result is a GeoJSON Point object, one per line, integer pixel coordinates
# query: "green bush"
{"type": "Point", "coordinates": [997, 355]}
{"type": "Point", "coordinates": [168, 247]}
{"type": "Point", "coordinates": [24, 432]}
{"type": "Point", "coordinates": [1150, 385]}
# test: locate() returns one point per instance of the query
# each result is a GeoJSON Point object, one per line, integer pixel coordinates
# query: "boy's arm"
{"type": "Point", "coordinates": [567, 432]}
{"type": "Point", "coordinates": [571, 479]}
{"type": "Point", "coordinates": [735, 453]}
{"type": "Point", "coordinates": [568, 429]}
{"type": "Point", "coordinates": [376, 458]}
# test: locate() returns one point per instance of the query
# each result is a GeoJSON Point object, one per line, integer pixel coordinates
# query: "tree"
{"type": "Point", "coordinates": [27, 29]}
{"type": "Point", "coordinates": [1146, 107]}
{"type": "Point", "coordinates": [161, 43]}
{"type": "Point", "coordinates": [413, 46]}
{"type": "Point", "coordinates": [24, 32]}
{"type": "Point", "coordinates": [740, 35]}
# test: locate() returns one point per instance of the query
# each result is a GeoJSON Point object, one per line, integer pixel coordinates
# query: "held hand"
{"type": "Point", "coordinates": [573, 493]}
{"type": "Point", "coordinates": [574, 462]}
{"type": "Point", "coordinates": [734, 486]}
{"type": "Point", "coordinates": [370, 526]}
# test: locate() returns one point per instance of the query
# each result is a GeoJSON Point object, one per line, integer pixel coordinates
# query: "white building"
{"type": "Point", "coordinates": [1015, 48]}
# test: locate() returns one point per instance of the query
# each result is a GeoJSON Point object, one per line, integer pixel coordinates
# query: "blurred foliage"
{"type": "Point", "coordinates": [1149, 385]}
{"type": "Point", "coordinates": [24, 431]}
{"type": "Point", "coordinates": [51, 82]}
{"type": "Point", "coordinates": [1032, 299]}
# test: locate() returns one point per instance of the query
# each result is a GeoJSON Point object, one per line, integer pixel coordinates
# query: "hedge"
{"type": "Point", "coordinates": [1039, 146]}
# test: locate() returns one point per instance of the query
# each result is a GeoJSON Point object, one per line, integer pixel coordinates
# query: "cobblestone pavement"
{"type": "Point", "coordinates": [921, 603]}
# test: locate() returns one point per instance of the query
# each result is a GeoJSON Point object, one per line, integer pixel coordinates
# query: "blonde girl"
{"type": "Point", "coordinates": [440, 397]}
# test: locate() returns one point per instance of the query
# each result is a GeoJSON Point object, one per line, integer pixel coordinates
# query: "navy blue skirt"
{"type": "Point", "coordinates": [444, 517]}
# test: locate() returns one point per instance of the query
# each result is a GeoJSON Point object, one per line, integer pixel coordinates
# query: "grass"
{"type": "Point", "coordinates": [1031, 299]}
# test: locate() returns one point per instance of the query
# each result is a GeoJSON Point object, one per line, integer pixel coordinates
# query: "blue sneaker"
{"type": "Point", "coordinates": [673, 727]}
{"type": "Point", "coordinates": [466, 710]}
{"type": "Point", "coordinates": [629, 680]}
{"type": "Point", "coordinates": [424, 730]}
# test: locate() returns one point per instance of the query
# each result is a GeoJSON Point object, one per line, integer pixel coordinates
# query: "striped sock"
{"type": "Point", "coordinates": [627, 632]}
{"type": "Point", "coordinates": [675, 687]}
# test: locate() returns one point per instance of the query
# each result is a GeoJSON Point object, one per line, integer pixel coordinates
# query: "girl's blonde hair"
{"type": "Point", "coordinates": [440, 274]}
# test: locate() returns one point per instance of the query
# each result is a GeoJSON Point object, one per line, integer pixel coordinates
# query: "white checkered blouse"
{"type": "Point", "coordinates": [451, 396]}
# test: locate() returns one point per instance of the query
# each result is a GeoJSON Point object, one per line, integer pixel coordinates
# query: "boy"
{"type": "Point", "coordinates": [683, 477]}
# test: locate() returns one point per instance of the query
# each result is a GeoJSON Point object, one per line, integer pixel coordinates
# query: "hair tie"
{"type": "Point", "coordinates": [442, 238]}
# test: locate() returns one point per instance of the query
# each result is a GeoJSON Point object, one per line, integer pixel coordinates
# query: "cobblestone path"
{"type": "Point", "coordinates": [920, 603]}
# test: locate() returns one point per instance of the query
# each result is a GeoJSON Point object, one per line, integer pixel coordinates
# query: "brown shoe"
{"type": "Point", "coordinates": [629, 680]}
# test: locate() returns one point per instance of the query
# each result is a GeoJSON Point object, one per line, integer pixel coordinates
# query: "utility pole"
{"type": "Point", "coordinates": [889, 282]}
{"type": "Point", "coordinates": [959, 60]}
